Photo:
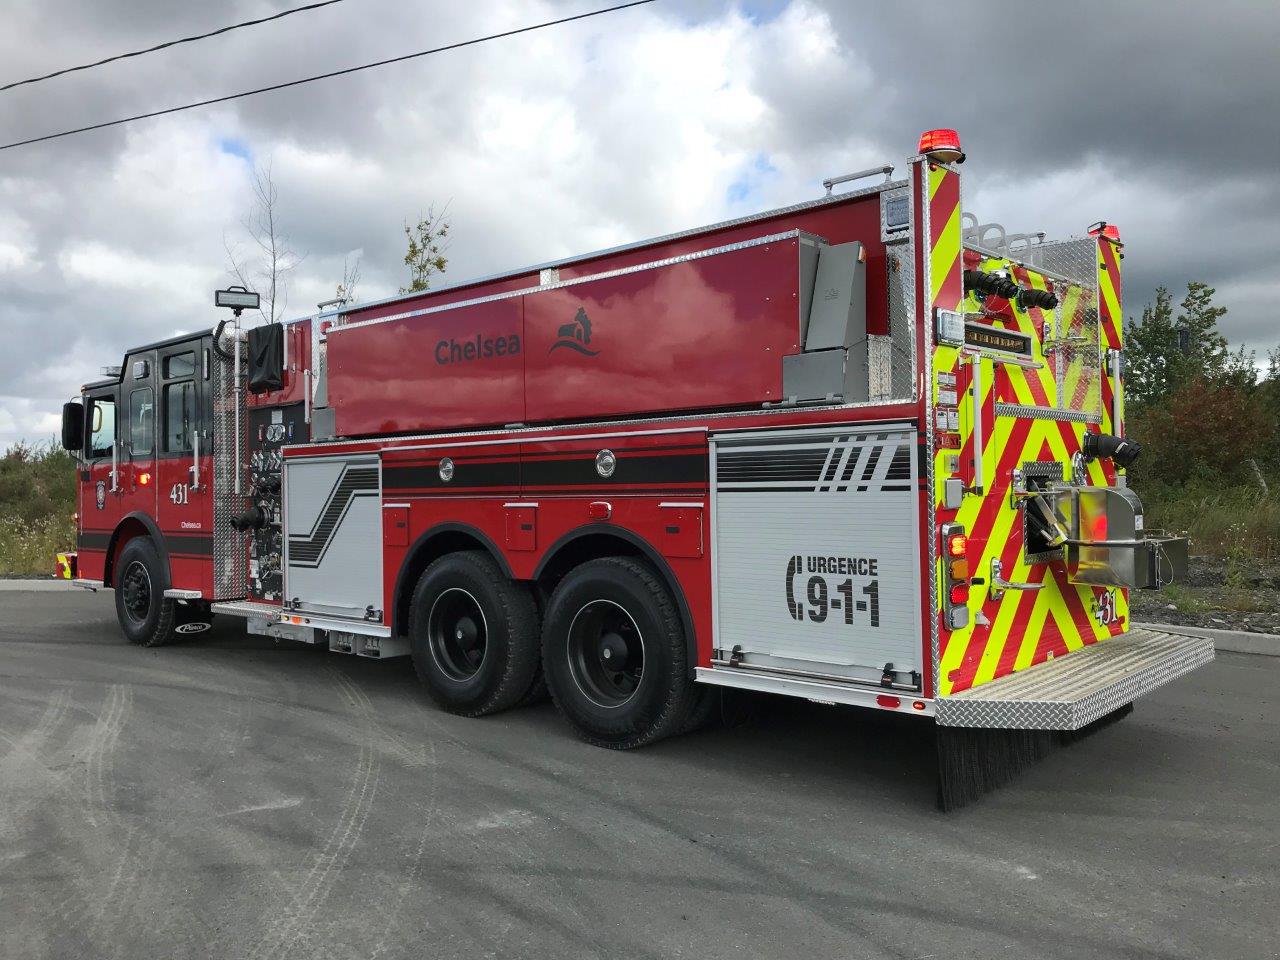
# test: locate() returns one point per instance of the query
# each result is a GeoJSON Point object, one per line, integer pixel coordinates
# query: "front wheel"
{"type": "Point", "coordinates": [614, 654]}
{"type": "Point", "coordinates": [146, 616]}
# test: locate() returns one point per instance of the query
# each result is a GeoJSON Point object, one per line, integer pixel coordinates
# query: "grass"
{"type": "Point", "coordinates": [37, 499]}
{"type": "Point", "coordinates": [1235, 523]}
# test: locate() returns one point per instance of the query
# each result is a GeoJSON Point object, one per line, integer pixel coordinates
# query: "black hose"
{"type": "Point", "coordinates": [217, 338]}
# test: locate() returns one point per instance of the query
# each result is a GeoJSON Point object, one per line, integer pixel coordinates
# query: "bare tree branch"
{"type": "Point", "coordinates": [268, 271]}
{"type": "Point", "coordinates": [350, 279]}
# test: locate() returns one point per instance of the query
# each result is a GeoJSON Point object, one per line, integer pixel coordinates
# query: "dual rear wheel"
{"type": "Point", "coordinates": [611, 649]}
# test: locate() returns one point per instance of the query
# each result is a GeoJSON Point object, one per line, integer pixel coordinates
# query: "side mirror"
{"type": "Point", "coordinates": [73, 426]}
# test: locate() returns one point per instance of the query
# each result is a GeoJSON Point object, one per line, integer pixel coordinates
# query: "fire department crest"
{"type": "Point", "coordinates": [101, 494]}
{"type": "Point", "coordinates": [576, 335]}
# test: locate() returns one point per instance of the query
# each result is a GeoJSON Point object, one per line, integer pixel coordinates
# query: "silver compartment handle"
{"type": "Point", "coordinates": [999, 584]}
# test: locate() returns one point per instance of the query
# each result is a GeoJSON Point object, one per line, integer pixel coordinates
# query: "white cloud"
{"type": "Point", "coordinates": [551, 143]}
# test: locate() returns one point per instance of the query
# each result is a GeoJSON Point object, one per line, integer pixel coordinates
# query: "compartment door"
{"type": "Point", "coordinates": [333, 537]}
{"type": "Point", "coordinates": [816, 551]}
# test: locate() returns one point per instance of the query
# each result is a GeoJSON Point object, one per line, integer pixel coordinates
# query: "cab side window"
{"type": "Point", "coordinates": [179, 402]}
{"type": "Point", "coordinates": [179, 416]}
{"type": "Point", "coordinates": [102, 427]}
{"type": "Point", "coordinates": [142, 422]}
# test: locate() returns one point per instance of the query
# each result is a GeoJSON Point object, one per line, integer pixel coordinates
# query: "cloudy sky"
{"type": "Point", "coordinates": [1163, 117]}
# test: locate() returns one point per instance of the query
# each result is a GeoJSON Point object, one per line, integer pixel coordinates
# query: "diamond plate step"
{"type": "Point", "coordinates": [247, 608]}
{"type": "Point", "coordinates": [1072, 691]}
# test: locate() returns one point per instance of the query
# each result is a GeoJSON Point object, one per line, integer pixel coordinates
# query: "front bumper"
{"type": "Point", "coordinates": [1072, 691]}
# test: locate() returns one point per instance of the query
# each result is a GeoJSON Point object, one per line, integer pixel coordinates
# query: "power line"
{"type": "Point", "coordinates": [170, 43]}
{"type": "Point", "coordinates": [325, 76]}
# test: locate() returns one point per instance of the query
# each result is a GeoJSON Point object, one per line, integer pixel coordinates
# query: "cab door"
{"type": "Point", "coordinates": [184, 464]}
{"type": "Point", "coordinates": [100, 496]}
{"type": "Point", "coordinates": [137, 468]}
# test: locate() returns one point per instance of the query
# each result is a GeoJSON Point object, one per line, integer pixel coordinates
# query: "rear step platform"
{"type": "Point", "coordinates": [1074, 690]}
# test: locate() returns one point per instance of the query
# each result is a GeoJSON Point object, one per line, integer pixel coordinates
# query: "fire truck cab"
{"type": "Point", "coordinates": [864, 449]}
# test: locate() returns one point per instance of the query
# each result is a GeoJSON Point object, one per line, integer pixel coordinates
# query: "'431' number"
{"type": "Point", "coordinates": [180, 494]}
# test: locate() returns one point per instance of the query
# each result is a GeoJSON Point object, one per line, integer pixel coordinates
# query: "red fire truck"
{"type": "Point", "coordinates": [863, 450]}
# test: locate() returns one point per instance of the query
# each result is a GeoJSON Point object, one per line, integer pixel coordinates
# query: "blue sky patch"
{"type": "Point", "coordinates": [235, 147]}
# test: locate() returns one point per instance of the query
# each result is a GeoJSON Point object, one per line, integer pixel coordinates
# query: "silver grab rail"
{"type": "Point", "coordinates": [975, 385]}
{"type": "Point", "coordinates": [887, 170]}
{"type": "Point", "coordinates": [1117, 426]}
{"type": "Point", "coordinates": [237, 392]}
{"type": "Point", "coordinates": [194, 469]}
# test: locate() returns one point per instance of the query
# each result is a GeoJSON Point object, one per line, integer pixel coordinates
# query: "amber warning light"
{"type": "Point", "coordinates": [941, 145]}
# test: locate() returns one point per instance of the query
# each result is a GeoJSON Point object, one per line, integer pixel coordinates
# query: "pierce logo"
{"type": "Point", "coordinates": [576, 335]}
{"type": "Point", "coordinates": [192, 627]}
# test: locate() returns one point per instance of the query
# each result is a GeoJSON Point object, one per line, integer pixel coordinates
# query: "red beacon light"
{"type": "Point", "coordinates": [941, 145]}
{"type": "Point", "coordinates": [1104, 229]}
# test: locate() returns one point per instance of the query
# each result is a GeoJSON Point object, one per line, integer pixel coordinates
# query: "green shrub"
{"type": "Point", "coordinates": [37, 499]}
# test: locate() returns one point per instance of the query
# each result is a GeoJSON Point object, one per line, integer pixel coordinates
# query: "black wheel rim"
{"type": "Point", "coordinates": [459, 634]}
{"type": "Point", "coordinates": [137, 591]}
{"type": "Point", "coordinates": [606, 653]}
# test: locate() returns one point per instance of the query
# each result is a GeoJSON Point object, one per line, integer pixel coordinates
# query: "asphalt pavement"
{"type": "Point", "coordinates": [231, 796]}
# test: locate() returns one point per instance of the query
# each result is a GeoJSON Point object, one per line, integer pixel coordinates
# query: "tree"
{"type": "Point", "coordinates": [1206, 355]}
{"type": "Point", "coordinates": [1151, 346]}
{"type": "Point", "coordinates": [267, 270]}
{"type": "Point", "coordinates": [1164, 353]}
{"type": "Point", "coordinates": [346, 291]}
{"type": "Point", "coordinates": [428, 241]}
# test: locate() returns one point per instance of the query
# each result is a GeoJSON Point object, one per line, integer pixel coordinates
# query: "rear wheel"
{"type": "Point", "coordinates": [614, 654]}
{"type": "Point", "coordinates": [146, 616]}
{"type": "Point", "coordinates": [473, 634]}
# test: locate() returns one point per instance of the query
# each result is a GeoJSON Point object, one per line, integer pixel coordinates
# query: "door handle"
{"type": "Point", "coordinates": [999, 584]}
{"type": "Point", "coordinates": [194, 469]}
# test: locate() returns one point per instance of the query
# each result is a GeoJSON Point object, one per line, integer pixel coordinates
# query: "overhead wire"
{"type": "Point", "coordinates": [324, 76]}
{"type": "Point", "coordinates": [168, 43]}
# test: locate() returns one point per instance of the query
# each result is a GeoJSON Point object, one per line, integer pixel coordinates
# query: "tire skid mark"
{"type": "Point", "coordinates": [412, 878]}
{"type": "Point", "coordinates": [290, 930]}
{"type": "Point", "coordinates": [100, 812]}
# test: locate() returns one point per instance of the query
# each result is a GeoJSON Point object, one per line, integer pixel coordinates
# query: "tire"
{"type": "Point", "coordinates": [537, 690]}
{"type": "Point", "coordinates": [609, 611]}
{"type": "Point", "coordinates": [146, 616]}
{"type": "Point", "coordinates": [473, 634]}
{"type": "Point", "coordinates": [705, 707]}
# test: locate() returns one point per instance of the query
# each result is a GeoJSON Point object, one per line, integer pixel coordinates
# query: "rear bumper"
{"type": "Point", "coordinates": [1072, 691]}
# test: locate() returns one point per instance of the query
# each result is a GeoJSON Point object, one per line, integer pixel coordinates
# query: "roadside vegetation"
{"type": "Point", "coordinates": [1208, 419]}
{"type": "Point", "coordinates": [37, 499]}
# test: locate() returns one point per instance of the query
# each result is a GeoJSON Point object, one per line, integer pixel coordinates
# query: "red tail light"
{"type": "Point", "coordinates": [957, 545]}
{"type": "Point", "coordinates": [959, 593]}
